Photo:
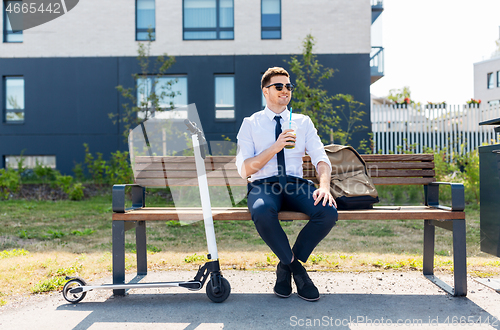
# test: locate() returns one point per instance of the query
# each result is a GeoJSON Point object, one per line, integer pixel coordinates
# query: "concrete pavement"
{"type": "Point", "coordinates": [349, 301]}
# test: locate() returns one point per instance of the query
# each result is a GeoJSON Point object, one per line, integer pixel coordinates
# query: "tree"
{"type": "Point", "coordinates": [401, 96]}
{"type": "Point", "coordinates": [153, 95]}
{"type": "Point", "coordinates": [350, 113]}
{"type": "Point", "coordinates": [312, 100]}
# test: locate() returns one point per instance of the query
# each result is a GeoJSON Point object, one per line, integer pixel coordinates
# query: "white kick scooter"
{"type": "Point", "coordinates": [218, 288]}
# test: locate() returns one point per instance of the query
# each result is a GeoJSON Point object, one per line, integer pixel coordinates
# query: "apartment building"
{"type": "Point", "coordinates": [58, 79]}
{"type": "Point", "coordinates": [487, 81]}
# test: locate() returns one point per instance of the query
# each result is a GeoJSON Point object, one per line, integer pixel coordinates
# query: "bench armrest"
{"type": "Point", "coordinates": [138, 197]}
{"type": "Point", "coordinates": [457, 196]}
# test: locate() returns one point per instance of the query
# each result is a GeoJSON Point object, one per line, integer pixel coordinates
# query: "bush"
{"type": "Point", "coordinates": [78, 170]}
{"type": "Point", "coordinates": [464, 169]}
{"type": "Point", "coordinates": [64, 182]}
{"type": "Point", "coordinates": [10, 181]}
{"type": "Point", "coordinates": [20, 164]}
{"type": "Point", "coordinates": [45, 173]}
{"type": "Point", "coordinates": [119, 170]}
{"type": "Point", "coordinates": [73, 190]}
{"type": "Point", "coordinates": [471, 179]}
{"type": "Point", "coordinates": [76, 192]}
{"type": "Point", "coordinates": [96, 166]}
{"type": "Point", "coordinates": [27, 175]}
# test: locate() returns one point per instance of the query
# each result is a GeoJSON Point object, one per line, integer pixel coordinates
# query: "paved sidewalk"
{"type": "Point", "coordinates": [349, 301]}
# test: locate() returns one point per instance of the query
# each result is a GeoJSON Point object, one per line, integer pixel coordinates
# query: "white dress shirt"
{"type": "Point", "coordinates": [257, 133]}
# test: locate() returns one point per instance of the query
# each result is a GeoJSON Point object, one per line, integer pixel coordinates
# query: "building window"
{"type": "Point", "coordinates": [145, 19]}
{"type": "Point", "coordinates": [271, 19]}
{"type": "Point", "coordinates": [208, 19]}
{"type": "Point", "coordinates": [14, 99]}
{"type": "Point", "coordinates": [224, 97]}
{"type": "Point", "coordinates": [10, 35]}
{"type": "Point", "coordinates": [491, 80]}
{"type": "Point", "coordinates": [498, 78]}
{"type": "Point", "coordinates": [13, 161]}
{"type": "Point", "coordinates": [170, 90]}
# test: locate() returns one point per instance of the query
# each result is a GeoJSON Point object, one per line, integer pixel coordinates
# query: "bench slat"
{"type": "Point", "coordinates": [181, 170]}
{"type": "Point", "coordinates": [242, 182]}
{"type": "Point", "coordinates": [170, 166]}
{"type": "Point", "coordinates": [182, 159]}
{"type": "Point", "coordinates": [402, 181]}
{"type": "Point", "coordinates": [398, 158]}
{"type": "Point", "coordinates": [226, 159]}
{"type": "Point", "coordinates": [401, 165]}
{"type": "Point", "coordinates": [190, 182]}
{"type": "Point", "coordinates": [401, 173]}
{"type": "Point", "coordinates": [242, 213]}
{"type": "Point", "coordinates": [389, 162]}
{"type": "Point", "coordinates": [186, 174]}
{"type": "Point", "coordinates": [234, 174]}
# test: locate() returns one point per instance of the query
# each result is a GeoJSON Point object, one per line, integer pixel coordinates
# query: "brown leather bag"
{"type": "Point", "coordinates": [350, 184]}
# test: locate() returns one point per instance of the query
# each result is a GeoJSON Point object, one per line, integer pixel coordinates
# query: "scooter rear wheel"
{"type": "Point", "coordinates": [74, 297]}
{"type": "Point", "coordinates": [219, 297]}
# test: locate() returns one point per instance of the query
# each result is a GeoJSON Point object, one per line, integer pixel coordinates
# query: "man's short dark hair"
{"type": "Point", "coordinates": [271, 72]}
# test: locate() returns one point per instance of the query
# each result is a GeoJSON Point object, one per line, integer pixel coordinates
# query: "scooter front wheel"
{"type": "Point", "coordinates": [222, 295]}
{"type": "Point", "coordinates": [74, 297]}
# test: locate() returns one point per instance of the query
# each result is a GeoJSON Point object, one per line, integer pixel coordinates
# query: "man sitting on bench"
{"type": "Point", "coordinates": [276, 182]}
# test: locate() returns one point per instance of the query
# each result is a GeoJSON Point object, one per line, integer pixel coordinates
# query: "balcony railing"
{"type": "Point", "coordinates": [377, 63]}
{"type": "Point", "coordinates": [377, 9]}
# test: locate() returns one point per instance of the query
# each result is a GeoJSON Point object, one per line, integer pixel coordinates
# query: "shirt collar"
{"type": "Point", "coordinates": [271, 114]}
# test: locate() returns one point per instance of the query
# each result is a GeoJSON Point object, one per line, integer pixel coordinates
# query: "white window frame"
{"type": "Point", "coordinates": [180, 109]}
{"type": "Point", "coordinates": [30, 161]}
{"type": "Point", "coordinates": [222, 112]}
{"type": "Point", "coordinates": [6, 100]}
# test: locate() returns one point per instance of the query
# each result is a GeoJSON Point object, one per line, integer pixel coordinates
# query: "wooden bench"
{"type": "Point", "coordinates": [221, 171]}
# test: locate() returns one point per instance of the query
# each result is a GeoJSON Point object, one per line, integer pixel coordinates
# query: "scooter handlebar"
{"type": "Point", "coordinates": [191, 126]}
{"type": "Point", "coordinates": [195, 130]}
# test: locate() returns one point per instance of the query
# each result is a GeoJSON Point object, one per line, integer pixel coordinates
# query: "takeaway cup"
{"type": "Point", "coordinates": [290, 125]}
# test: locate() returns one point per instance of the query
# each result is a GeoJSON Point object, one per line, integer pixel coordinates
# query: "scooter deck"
{"type": "Point", "coordinates": [191, 285]}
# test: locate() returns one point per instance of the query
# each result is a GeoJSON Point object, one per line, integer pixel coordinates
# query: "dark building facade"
{"type": "Point", "coordinates": [67, 99]}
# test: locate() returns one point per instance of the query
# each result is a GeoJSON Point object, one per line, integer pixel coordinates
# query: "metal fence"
{"type": "Point", "coordinates": [454, 128]}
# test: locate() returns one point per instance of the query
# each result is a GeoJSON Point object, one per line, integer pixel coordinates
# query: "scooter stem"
{"type": "Point", "coordinates": [205, 198]}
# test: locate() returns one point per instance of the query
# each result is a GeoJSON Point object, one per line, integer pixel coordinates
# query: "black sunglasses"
{"type": "Point", "coordinates": [279, 86]}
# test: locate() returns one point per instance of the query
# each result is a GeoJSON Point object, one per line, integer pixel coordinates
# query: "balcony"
{"type": "Point", "coordinates": [377, 9]}
{"type": "Point", "coordinates": [376, 63]}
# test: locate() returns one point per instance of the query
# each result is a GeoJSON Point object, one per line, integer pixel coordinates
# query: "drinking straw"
{"type": "Point", "coordinates": [290, 123]}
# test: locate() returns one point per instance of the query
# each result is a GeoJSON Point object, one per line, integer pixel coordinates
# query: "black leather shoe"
{"type": "Point", "coordinates": [305, 287]}
{"type": "Point", "coordinates": [283, 286]}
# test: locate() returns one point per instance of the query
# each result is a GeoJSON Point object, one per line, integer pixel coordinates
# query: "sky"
{"type": "Point", "coordinates": [432, 45]}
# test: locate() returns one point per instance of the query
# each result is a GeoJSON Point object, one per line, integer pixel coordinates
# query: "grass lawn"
{"type": "Point", "coordinates": [42, 241]}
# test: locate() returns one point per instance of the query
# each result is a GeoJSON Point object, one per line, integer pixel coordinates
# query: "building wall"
{"type": "Point", "coordinates": [107, 28]}
{"type": "Point", "coordinates": [481, 70]}
{"type": "Point", "coordinates": [67, 100]}
{"type": "Point", "coordinates": [72, 65]}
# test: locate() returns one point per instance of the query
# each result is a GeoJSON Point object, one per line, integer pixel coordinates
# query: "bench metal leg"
{"type": "Point", "coordinates": [429, 235]}
{"type": "Point", "coordinates": [459, 255]}
{"type": "Point", "coordinates": [140, 241]}
{"type": "Point", "coordinates": [118, 242]}
{"type": "Point", "coordinates": [459, 258]}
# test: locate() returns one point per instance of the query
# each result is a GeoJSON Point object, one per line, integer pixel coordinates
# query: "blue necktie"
{"type": "Point", "coordinates": [281, 155]}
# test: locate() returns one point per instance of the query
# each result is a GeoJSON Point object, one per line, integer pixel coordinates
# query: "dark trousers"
{"type": "Point", "coordinates": [266, 199]}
